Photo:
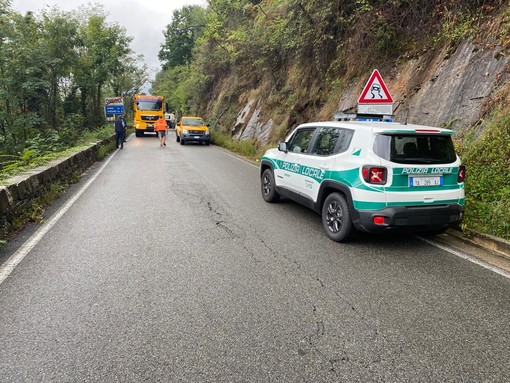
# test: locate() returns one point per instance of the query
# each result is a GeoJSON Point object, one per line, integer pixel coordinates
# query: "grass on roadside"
{"type": "Point", "coordinates": [250, 149]}
{"type": "Point", "coordinates": [12, 165]}
{"type": "Point", "coordinates": [39, 205]}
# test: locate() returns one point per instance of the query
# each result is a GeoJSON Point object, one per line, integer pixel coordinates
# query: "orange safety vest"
{"type": "Point", "coordinates": [160, 125]}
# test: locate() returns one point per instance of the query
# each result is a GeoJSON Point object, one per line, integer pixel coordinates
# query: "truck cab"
{"type": "Point", "coordinates": [147, 110]}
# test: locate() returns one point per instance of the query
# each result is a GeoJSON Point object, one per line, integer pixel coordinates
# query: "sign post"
{"type": "Point", "coordinates": [113, 107]}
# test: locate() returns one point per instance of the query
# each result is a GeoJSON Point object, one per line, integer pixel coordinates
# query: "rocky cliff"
{"type": "Point", "coordinates": [450, 87]}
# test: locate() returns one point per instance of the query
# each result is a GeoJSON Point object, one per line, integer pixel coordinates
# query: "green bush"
{"type": "Point", "coordinates": [45, 148]}
{"type": "Point", "coordinates": [487, 160]}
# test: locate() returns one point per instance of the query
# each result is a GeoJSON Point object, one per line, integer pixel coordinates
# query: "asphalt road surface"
{"type": "Point", "coordinates": [169, 267]}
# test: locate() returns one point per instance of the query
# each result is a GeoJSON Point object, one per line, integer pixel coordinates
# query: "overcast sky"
{"type": "Point", "coordinates": [144, 20]}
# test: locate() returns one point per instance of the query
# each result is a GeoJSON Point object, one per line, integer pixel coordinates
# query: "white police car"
{"type": "Point", "coordinates": [369, 176]}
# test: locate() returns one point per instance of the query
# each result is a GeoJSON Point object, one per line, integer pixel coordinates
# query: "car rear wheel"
{"type": "Point", "coordinates": [268, 187]}
{"type": "Point", "coordinates": [336, 218]}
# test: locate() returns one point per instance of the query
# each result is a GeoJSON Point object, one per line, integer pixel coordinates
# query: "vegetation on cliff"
{"type": "Point", "coordinates": [297, 58]}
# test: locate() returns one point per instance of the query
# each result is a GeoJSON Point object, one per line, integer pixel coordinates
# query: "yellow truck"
{"type": "Point", "coordinates": [147, 109]}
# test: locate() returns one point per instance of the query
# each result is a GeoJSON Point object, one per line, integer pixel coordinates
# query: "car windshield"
{"type": "Point", "coordinates": [415, 148]}
{"type": "Point", "coordinates": [193, 122]}
{"type": "Point", "coordinates": [150, 105]}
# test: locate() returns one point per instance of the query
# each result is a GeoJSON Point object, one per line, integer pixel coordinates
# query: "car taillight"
{"type": "Point", "coordinates": [462, 173]}
{"type": "Point", "coordinates": [374, 174]}
{"type": "Point", "coordinates": [379, 220]}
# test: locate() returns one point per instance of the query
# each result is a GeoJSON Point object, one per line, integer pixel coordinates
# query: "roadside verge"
{"type": "Point", "coordinates": [18, 194]}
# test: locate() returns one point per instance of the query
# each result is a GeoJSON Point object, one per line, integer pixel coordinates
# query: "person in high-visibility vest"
{"type": "Point", "coordinates": [160, 128]}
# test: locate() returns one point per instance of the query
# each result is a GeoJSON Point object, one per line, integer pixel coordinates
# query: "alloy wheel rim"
{"type": "Point", "coordinates": [334, 217]}
{"type": "Point", "coordinates": [267, 185]}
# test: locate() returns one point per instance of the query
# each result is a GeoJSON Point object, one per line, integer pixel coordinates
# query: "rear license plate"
{"type": "Point", "coordinates": [426, 181]}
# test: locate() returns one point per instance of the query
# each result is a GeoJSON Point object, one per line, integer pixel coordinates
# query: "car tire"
{"type": "Point", "coordinates": [182, 141]}
{"type": "Point", "coordinates": [268, 187]}
{"type": "Point", "coordinates": [207, 143]}
{"type": "Point", "coordinates": [177, 138]}
{"type": "Point", "coordinates": [336, 218]}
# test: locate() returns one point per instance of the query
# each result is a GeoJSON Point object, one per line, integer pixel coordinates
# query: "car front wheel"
{"type": "Point", "coordinates": [268, 186]}
{"type": "Point", "coordinates": [336, 218]}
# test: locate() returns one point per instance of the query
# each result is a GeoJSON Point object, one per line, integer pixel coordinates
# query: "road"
{"type": "Point", "coordinates": [169, 267]}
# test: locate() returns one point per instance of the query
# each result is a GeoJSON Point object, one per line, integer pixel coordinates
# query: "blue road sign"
{"type": "Point", "coordinates": [114, 109]}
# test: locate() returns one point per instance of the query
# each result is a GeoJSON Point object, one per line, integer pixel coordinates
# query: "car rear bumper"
{"type": "Point", "coordinates": [410, 218]}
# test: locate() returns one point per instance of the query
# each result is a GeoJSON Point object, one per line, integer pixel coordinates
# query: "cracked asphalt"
{"type": "Point", "coordinates": [171, 268]}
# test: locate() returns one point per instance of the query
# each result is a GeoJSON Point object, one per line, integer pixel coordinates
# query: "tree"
{"type": "Point", "coordinates": [181, 35]}
{"type": "Point", "coordinates": [22, 77]}
{"type": "Point", "coordinates": [54, 66]}
{"type": "Point", "coordinates": [59, 40]}
{"type": "Point", "coordinates": [129, 80]}
{"type": "Point", "coordinates": [103, 48]}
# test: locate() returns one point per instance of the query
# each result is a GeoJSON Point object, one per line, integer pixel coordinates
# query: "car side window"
{"type": "Point", "coordinates": [331, 141]}
{"type": "Point", "coordinates": [300, 141]}
{"type": "Point", "coordinates": [344, 140]}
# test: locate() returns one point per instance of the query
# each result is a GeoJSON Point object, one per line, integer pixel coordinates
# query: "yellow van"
{"type": "Point", "coordinates": [192, 128]}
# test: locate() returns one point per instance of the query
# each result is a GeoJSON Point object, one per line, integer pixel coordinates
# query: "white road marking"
{"type": "Point", "coordinates": [467, 257]}
{"type": "Point", "coordinates": [8, 267]}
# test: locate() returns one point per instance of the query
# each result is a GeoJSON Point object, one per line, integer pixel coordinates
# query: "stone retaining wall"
{"type": "Point", "coordinates": [18, 193]}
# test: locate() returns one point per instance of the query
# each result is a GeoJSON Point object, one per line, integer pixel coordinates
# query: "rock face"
{"type": "Point", "coordinates": [454, 89]}
{"type": "Point", "coordinates": [250, 126]}
{"type": "Point", "coordinates": [448, 88]}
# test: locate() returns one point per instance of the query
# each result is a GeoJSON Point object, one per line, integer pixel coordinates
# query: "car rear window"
{"type": "Point", "coordinates": [415, 148]}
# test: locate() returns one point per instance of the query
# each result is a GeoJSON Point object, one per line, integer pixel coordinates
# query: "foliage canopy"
{"type": "Point", "coordinates": [55, 70]}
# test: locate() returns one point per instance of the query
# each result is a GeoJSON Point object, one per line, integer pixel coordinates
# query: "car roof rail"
{"type": "Point", "coordinates": [341, 116]}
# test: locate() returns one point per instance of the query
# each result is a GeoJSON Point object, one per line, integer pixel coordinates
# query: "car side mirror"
{"type": "Point", "coordinates": [282, 147]}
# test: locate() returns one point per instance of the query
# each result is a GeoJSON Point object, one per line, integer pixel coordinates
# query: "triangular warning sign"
{"type": "Point", "coordinates": [375, 91]}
